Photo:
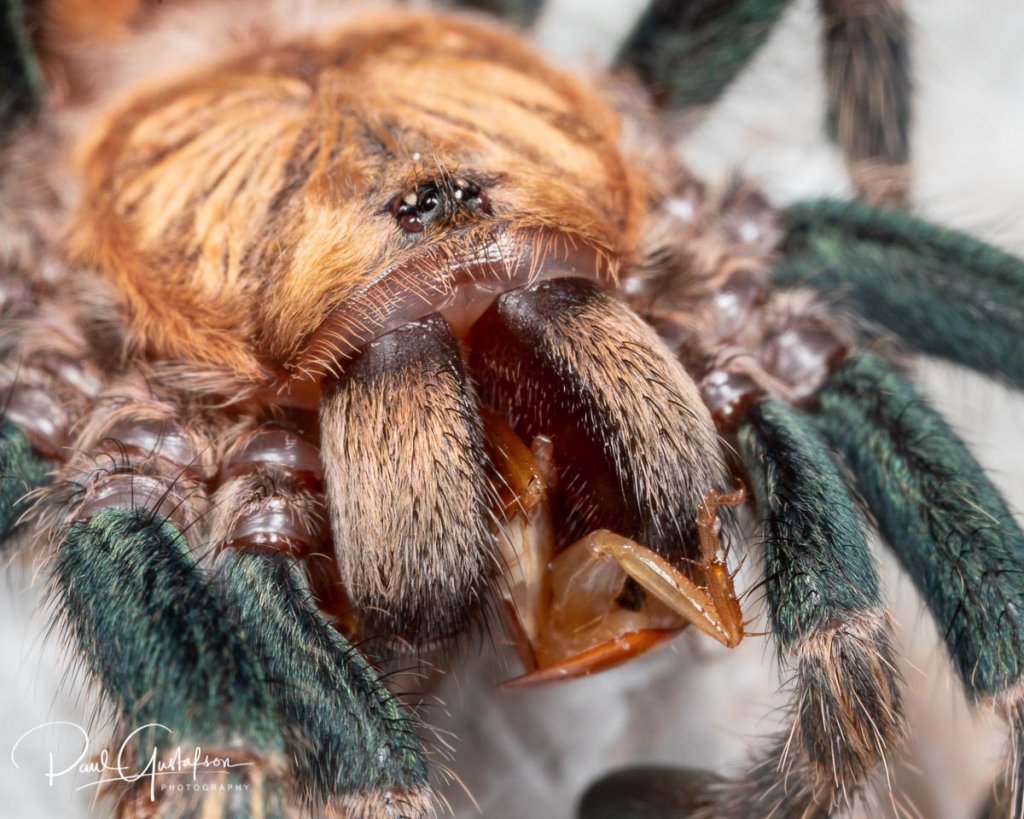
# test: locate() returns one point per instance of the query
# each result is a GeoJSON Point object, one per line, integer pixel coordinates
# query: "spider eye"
{"type": "Point", "coordinates": [429, 202]}
{"type": "Point", "coordinates": [416, 210]}
{"type": "Point", "coordinates": [434, 202]}
{"type": "Point", "coordinates": [471, 196]}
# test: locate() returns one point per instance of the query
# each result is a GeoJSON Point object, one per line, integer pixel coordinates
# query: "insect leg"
{"type": "Point", "coordinates": [712, 607]}
{"type": "Point", "coordinates": [350, 743]}
{"type": "Point", "coordinates": [943, 292]}
{"type": "Point", "coordinates": [949, 527]}
{"type": "Point", "coordinates": [597, 615]}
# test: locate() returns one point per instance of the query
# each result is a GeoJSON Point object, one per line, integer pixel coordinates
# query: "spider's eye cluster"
{"type": "Point", "coordinates": [418, 209]}
{"type": "Point", "coordinates": [436, 202]}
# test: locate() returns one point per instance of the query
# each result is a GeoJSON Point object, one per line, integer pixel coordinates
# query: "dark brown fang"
{"type": "Point", "coordinates": [407, 486]}
{"type": "Point", "coordinates": [635, 447]}
{"type": "Point", "coordinates": [459, 279]}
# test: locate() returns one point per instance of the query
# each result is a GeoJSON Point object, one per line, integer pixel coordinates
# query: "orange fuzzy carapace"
{"type": "Point", "coordinates": [234, 209]}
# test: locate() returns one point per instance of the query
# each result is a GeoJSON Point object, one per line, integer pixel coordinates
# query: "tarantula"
{"type": "Point", "coordinates": [329, 334]}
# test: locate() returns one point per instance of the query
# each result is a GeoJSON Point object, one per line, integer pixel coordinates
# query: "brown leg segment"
{"type": "Point", "coordinates": [867, 63]}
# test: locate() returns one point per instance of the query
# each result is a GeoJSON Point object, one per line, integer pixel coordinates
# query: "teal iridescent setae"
{"type": "Point", "coordinates": [346, 733]}
{"type": "Point", "coordinates": [941, 291]}
{"type": "Point", "coordinates": [817, 563]}
{"type": "Point", "coordinates": [21, 470]}
{"type": "Point", "coordinates": [156, 635]}
{"type": "Point", "coordinates": [940, 514]}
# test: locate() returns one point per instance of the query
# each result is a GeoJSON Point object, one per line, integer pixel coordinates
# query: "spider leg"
{"type": "Point", "coordinates": [21, 471]}
{"type": "Point", "coordinates": [20, 77]}
{"type": "Point", "coordinates": [943, 292]}
{"type": "Point", "coordinates": [45, 384]}
{"type": "Point", "coordinates": [689, 52]}
{"type": "Point", "coordinates": [521, 12]}
{"type": "Point", "coordinates": [149, 627]}
{"type": "Point", "coordinates": [949, 527]}
{"type": "Point", "coordinates": [351, 744]}
{"type": "Point", "coordinates": [162, 645]}
{"type": "Point", "coordinates": [349, 739]}
{"type": "Point", "coordinates": [867, 68]}
{"type": "Point", "coordinates": [832, 629]}
{"type": "Point", "coordinates": [244, 666]}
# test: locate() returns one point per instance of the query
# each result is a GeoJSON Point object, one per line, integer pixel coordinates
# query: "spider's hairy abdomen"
{"type": "Point", "coordinates": [234, 210]}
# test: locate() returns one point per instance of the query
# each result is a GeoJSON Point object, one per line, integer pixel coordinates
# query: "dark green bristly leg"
{"type": "Point", "coordinates": [350, 741]}
{"type": "Point", "coordinates": [949, 527]}
{"type": "Point", "coordinates": [832, 631]}
{"type": "Point", "coordinates": [21, 471]}
{"type": "Point", "coordinates": [20, 79]}
{"type": "Point", "coordinates": [165, 650]}
{"type": "Point", "coordinates": [831, 626]}
{"type": "Point", "coordinates": [688, 51]}
{"type": "Point", "coordinates": [867, 67]}
{"type": "Point", "coordinates": [520, 12]}
{"type": "Point", "coordinates": [944, 293]}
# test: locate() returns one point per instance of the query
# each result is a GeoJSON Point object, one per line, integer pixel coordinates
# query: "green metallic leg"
{"type": "Point", "coordinates": [832, 631]}
{"type": "Point", "coordinates": [20, 78]}
{"type": "Point", "coordinates": [520, 12]}
{"type": "Point", "coordinates": [21, 471]}
{"type": "Point", "coordinates": [947, 524]}
{"type": "Point", "coordinates": [688, 51]}
{"type": "Point", "coordinates": [943, 292]}
{"type": "Point", "coordinates": [350, 741]}
{"type": "Point", "coordinates": [166, 653]}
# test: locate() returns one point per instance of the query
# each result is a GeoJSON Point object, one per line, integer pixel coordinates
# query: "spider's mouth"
{"type": "Point", "coordinates": [491, 344]}
{"type": "Point", "coordinates": [459, 280]}
{"type": "Point", "coordinates": [439, 429]}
